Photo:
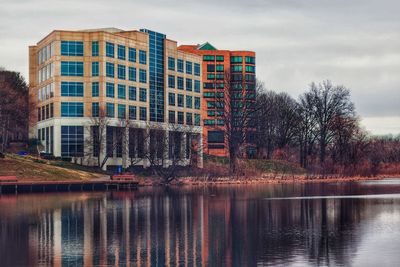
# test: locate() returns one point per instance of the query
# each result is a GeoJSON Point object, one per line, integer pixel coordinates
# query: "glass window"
{"type": "Point", "coordinates": [208, 58]}
{"type": "Point", "coordinates": [110, 90]}
{"type": "Point", "coordinates": [171, 99]}
{"type": "Point", "coordinates": [197, 119]}
{"type": "Point", "coordinates": [180, 83]}
{"type": "Point", "coordinates": [171, 116]}
{"type": "Point", "coordinates": [209, 122]}
{"type": "Point", "coordinates": [110, 49]}
{"type": "Point", "coordinates": [95, 48]}
{"type": "Point", "coordinates": [171, 63]}
{"type": "Point", "coordinates": [220, 68]}
{"type": "Point", "coordinates": [142, 94]}
{"type": "Point", "coordinates": [132, 74]}
{"type": "Point", "coordinates": [110, 107]}
{"type": "Point", "coordinates": [110, 70]}
{"type": "Point", "coordinates": [210, 104]}
{"type": "Point", "coordinates": [197, 86]}
{"type": "Point", "coordinates": [72, 89]}
{"type": "Point", "coordinates": [95, 68]}
{"type": "Point", "coordinates": [132, 54]}
{"type": "Point", "coordinates": [72, 141]}
{"type": "Point", "coordinates": [121, 91]}
{"type": "Point", "coordinates": [180, 65]}
{"type": "Point", "coordinates": [197, 102]}
{"type": "Point", "coordinates": [250, 69]}
{"type": "Point", "coordinates": [121, 111]}
{"type": "Point", "coordinates": [142, 76]}
{"type": "Point", "coordinates": [142, 57]}
{"type": "Point", "coordinates": [180, 100]}
{"type": "Point", "coordinates": [71, 109]}
{"type": "Point", "coordinates": [197, 69]}
{"type": "Point", "coordinates": [189, 101]}
{"type": "Point", "coordinates": [219, 58]}
{"type": "Point", "coordinates": [71, 68]}
{"type": "Point", "coordinates": [132, 112]}
{"type": "Point", "coordinates": [171, 81]}
{"type": "Point", "coordinates": [132, 93]}
{"type": "Point", "coordinates": [95, 110]}
{"type": "Point", "coordinates": [95, 89]}
{"type": "Point", "coordinates": [208, 94]}
{"type": "Point", "coordinates": [189, 118]}
{"type": "Point", "coordinates": [180, 117]}
{"type": "Point", "coordinates": [210, 67]}
{"type": "Point", "coordinates": [236, 59]}
{"type": "Point", "coordinates": [121, 72]}
{"type": "Point", "coordinates": [220, 122]}
{"type": "Point", "coordinates": [189, 85]}
{"type": "Point", "coordinates": [251, 60]}
{"type": "Point", "coordinates": [143, 113]}
{"type": "Point", "coordinates": [209, 85]}
{"type": "Point", "coordinates": [189, 66]}
{"type": "Point", "coordinates": [121, 52]}
{"type": "Point", "coordinates": [219, 76]}
{"type": "Point", "coordinates": [237, 68]}
{"type": "Point", "coordinates": [71, 48]}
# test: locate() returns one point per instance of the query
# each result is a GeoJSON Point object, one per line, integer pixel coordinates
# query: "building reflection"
{"type": "Point", "coordinates": [190, 228]}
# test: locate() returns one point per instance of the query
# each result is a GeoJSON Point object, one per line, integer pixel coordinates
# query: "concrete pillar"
{"type": "Point", "coordinates": [146, 162]}
{"type": "Point", "coordinates": [166, 149]}
{"type": "Point", "coordinates": [183, 147]}
{"type": "Point", "coordinates": [57, 140]}
{"type": "Point", "coordinates": [200, 150]}
{"type": "Point", "coordinates": [125, 148]}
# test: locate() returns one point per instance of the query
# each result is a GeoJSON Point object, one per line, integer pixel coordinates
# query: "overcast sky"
{"type": "Point", "coordinates": [353, 43]}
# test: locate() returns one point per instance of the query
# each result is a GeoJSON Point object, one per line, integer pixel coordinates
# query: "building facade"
{"type": "Point", "coordinates": [228, 77]}
{"type": "Point", "coordinates": [116, 97]}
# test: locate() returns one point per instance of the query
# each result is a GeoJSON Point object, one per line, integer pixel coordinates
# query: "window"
{"type": "Point", "coordinates": [95, 110]}
{"type": "Point", "coordinates": [142, 57]}
{"type": "Point", "coordinates": [121, 52]}
{"type": "Point", "coordinates": [132, 112]}
{"type": "Point", "coordinates": [215, 137]}
{"type": "Point", "coordinates": [95, 89]}
{"type": "Point", "coordinates": [180, 117]}
{"type": "Point", "coordinates": [72, 141]}
{"type": "Point", "coordinates": [189, 84]}
{"type": "Point", "coordinates": [142, 95]}
{"type": "Point", "coordinates": [209, 85]}
{"type": "Point", "coordinates": [180, 65]}
{"type": "Point", "coordinates": [210, 76]}
{"type": "Point", "coordinates": [71, 109]}
{"type": "Point", "coordinates": [219, 58]}
{"type": "Point", "coordinates": [132, 54]}
{"type": "Point", "coordinates": [219, 76]}
{"type": "Point", "coordinates": [236, 59]}
{"type": "Point", "coordinates": [211, 113]}
{"type": "Point", "coordinates": [121, 72]}
{"type": "Point", "coordinates": [209, 122]}
{"type": "Point", "coordinates": [142, 76]}
{"type": "Point", "coordinates": [237, 68]}
{"type": "Point", "coordinates": [110, 91]}
{"type": "Point", "coordinates": [132, 74]}
{"type": "Point", "coordinates": [110, 70]}
{"type": "Point", "coordinates": [171, 116]}
{"type": "Point", "coordinates": [95, 68]}
{"type": "Point", "coordinates": [132, 93]}
{"type": "Point", "coordinates": [180, 83]}
{"type": "Point", "coordinates": [197, 119]}
{"type": "Point", "coordinates": [210, 104]}
{"type": "Point", "coordinates": [110, 110]}
{"type": "Point", "coordinates": [250, 69]}
{"type": "Point", "coordinates": [189, 101]}
{"type": "Point", "coordinates": [197, 86]}
{"type": "Point", "coordinates": [197, 69]}
{"type": "Point", "coordinates": [220, 68]}
{"type": "Point", "coordinates": [251, 60]}
{"type": "Point", "coordinates": [219, 94]}
{"type": "Point", "coordinates": [189, 118]}
{"type": "Point", "coordinates": [250, 78]}
{"type": "Point", "coordinates": [110, 49]}
{"type": "Point", "coordinates": [189, 66]}
{"type": "Point", "coordinates": [208, 58]}
{"type": "Point", "coordinates": [71, 68]}
{"type": "Point", "coordinates": [171, 63]}
{"type": "Point", "coordinates": [180, 100]}
{"type": "Point", "coordinates": [143, 113]}
{"type": "Point", "coordinates": [220, 122]}
{"type": "Point", "coordinates": [208, 94]}
{"type": "Point", "coordinates": [171, 81]}
{"type": "Point", "coordinates": [210, 68]}
{"type": "Point", "coordinates": [71, 88]}
{"type": "Point", "coordinates": [197, 102]}
{"type": "Point", "coordinates": [121, 91]}
{"type": "Point", "coordinates": [171, 99]}
{"type": "Point", "coordinates": [121, 111]}
{"type": "Point", "coordinates": [95, 48]}
{"type": "Point", "coordinates": [71, 48]}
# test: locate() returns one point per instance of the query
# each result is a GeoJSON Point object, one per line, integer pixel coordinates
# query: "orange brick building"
{"type": "Point", "coordinates": [241, 68]}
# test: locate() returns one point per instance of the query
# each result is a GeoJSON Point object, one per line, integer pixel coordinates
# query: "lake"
{"type": "Point", "coordinates": [325, 224]}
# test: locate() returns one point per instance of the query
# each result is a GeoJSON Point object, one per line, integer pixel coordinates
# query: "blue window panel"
{"type": "Point", "coordinates": [71, 68]}
{"type": "Point", "coordinates": [95, 89]}
{"type": "Point", "coordinates": [121, 91]}
{"type": "Point", "coordinates": [171, 99]}
{"type": "Point", "coordinates": [132, 112]}
{"type": "Point", "coordinates": [180, 101]}
{"type": "Point", "coordinates": [72, 89]}
{"type": "Point", "coordinates": [95, 48]}
{"type": "Point", "coordinates": [197, 69]}
{"type": "Point", "coordinates": [197, 102]}
{"type": "Point", "coordinates": [171, 63]}
{"type": "Point", "coordinates": [72, 141]}
{"type": "Point", "coordinates": [142, 76]}
{"type": "Point", "coordinates": [132, 54]}
{"type": "Point", "coordinates": [121, 52]}
{"type": "Point", "coordinates": [71, 48]}
{"type": "Point", "coordinates": [71, 109]}
{"type": "Point", "coordinates": [121, 72]}
{"type": "Point", "coordinates": [171, 81]}
{"type": "Point", "coordinates": [171, 116]}
{"type": "Point", "coordinates": [132, 93]}
{"type": "Point", "coordinates": [189, 118]}
{"type": "Point", "coordinates": [189, 85]}
{"type": "Point", "coordinates": [110, 90]}
{"type": "Point", "coordinates": [189, 101]}
{"type": "Point", "coordinates": [181, 119]}
{"type": "Point", "coordinates": [95, 110]}
{"type": "Point", "coordinates": [110, 49]}
{"type": "Point", "coordinates": [110, 71]}
{"type": "Point", "coordinates": [189, 66]}
{"type": "Point", "coordinates": [197, 119]}
{"type": "Point", "coordinates": [121, 111]}
{"type": "Point", "coordinates": [143, 95]}
{"type": "Point", "coordinates": [132, 74]}
{"type": "Point", "coordinates": [143, 113]}
{"type": "Point", "coordinates": [142, 57]}
{"type": "Point", "coordinates": [110, 110]}
{"type": "Point", "coordinates": [197, 86]}
{"type": "Point", "coordinates": [95, 69]}
{"type": "Point", "coordinates": [180, 83]}
{"type": "Point", "coordinates": [180, 65]}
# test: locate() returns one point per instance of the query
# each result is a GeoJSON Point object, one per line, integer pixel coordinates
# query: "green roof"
{"type": "Point", "coordinates": [206, 46]}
